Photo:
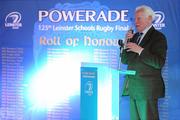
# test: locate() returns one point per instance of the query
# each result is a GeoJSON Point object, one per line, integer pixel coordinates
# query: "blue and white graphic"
{"type": "Point", "coordinates": [13, 20]}
{"type": "Point", "coordinates": [159, 20]}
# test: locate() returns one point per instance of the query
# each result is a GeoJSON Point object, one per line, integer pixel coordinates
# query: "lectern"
{"type": "Point", "coordinates": [100, 92]}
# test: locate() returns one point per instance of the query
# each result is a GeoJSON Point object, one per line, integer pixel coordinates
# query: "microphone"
{"type": "Point", "coordinates": [131, 28]}
{"type": "Point", "coordinates": [120, 43]}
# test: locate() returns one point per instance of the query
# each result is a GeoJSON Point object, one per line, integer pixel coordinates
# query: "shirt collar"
{"type": "Point", "coordinates": [145, 30]}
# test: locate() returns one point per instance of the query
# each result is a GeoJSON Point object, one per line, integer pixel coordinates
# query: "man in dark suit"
{"type": "Point", "coordinates": [144, 52]}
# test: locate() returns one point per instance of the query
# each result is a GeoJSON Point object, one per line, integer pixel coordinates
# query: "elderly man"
{"type": "Point", "coordinates": [144, 52]}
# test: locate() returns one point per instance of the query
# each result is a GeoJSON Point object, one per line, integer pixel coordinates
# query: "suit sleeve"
{"type": "Point", "coordinates": [155, 55]}
{"type": "Point", "coordinates": [128, 57]}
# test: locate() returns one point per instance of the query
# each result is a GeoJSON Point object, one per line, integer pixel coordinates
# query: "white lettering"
{"type": "Point", "coordinates": [102, 16]}
{"type": "Point", "coordinates": [57, 16]}
{"type": "Point", "coordinates": [42, 14]}
{"type": "Point", "coordinates": [80, 15]}
{"type": "Point", "coordinates": [69, 15]}
{"type": "Point", "coordinates": [123, 15]}
{"type": "Point", "coordinates": [83, 15]}
{"type": "Point", "coordinates": [90, 15]}
{"type": "Point", "coordinates": [110, 17]}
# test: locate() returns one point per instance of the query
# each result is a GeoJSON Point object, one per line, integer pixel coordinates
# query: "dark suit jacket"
{"type": "Point", "coordinates": [148, 82]}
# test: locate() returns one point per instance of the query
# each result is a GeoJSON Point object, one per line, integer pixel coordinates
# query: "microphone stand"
{"type": "Point", "coordinates": [121, 71]}
{"type": "Point", "coordinates": [121, 45]}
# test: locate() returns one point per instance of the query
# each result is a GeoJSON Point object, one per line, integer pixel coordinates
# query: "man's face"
{"type": "Point", "coordinates": [141, 21]}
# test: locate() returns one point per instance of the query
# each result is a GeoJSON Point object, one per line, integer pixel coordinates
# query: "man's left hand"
{"type": "Point", "coordinates": [133, 47]}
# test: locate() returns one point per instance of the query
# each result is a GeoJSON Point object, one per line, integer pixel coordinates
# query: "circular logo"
{"type": "Point", "coordinates": [89, 88]}
{"type": "Point", "coordinates": [159, 17]}
{"type": "Point", "coordinates": [13, 20]}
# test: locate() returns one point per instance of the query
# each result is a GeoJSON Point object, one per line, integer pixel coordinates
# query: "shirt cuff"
{"type": "Point", "coordinates": [140, 51]}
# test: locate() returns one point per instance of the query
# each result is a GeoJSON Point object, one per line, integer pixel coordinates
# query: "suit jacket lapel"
{"type": "Point", "coordinates": [146, 38]}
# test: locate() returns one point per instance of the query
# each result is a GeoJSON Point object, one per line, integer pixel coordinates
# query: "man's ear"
{"type": "Point", "coordinates": [150, 18]}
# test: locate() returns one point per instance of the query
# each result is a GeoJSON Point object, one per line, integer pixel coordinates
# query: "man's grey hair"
{"type": "Point", "coordinates": [147, 10]}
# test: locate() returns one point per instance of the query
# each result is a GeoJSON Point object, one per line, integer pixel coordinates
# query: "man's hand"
{"type": "Point", "coordinates": [128, 36]}
{"type": "Point", "coordinates": [133, 47]}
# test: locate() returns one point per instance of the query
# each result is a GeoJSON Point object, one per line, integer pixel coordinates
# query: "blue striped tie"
{"type": "Point", "coordinates": [139, 37]}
